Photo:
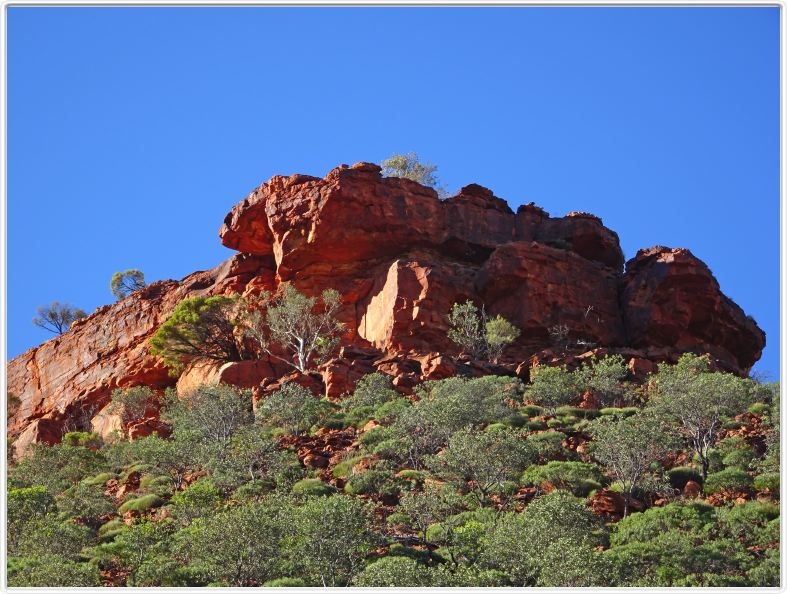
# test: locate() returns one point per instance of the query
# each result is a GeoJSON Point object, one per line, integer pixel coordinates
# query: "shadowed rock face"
{"type": "Point", "coordinates": [400, 257]}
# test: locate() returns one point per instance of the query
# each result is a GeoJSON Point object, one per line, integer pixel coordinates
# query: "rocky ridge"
{"type": "Point", "coordinates": [400, 257]}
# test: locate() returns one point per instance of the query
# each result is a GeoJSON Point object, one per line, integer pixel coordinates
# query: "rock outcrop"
{"type": "Point", "coordinates": [400, 257]}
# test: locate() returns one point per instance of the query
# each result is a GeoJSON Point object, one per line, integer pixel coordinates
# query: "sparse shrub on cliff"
{"type": "Point", "coordinates": [694, 400]}
{"type": "Point", "coordinates": [57, 317]}
{"type": "Point", "coordinates": [409, 166]}
{"type": "Point", "coordinates": [373, 389]}
{"type": "Point", "coordinates": [304, 327]}
{"type": "Point", "coordinates": [292, 407]}
{"type": "Point", "coordinates": [200, 328]}
{"type": "Point", "coordinates": [478, 335]}
{"type": "Point", "coordinates": [211, 413]}
{"type": "Point", "coordinates": [124, 283]}
{"type": "Point", "coordinates": [606, 377]}
{"type": "Point", "coordinates": [130, 403]}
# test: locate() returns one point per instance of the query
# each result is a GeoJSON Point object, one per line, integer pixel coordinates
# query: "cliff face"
{"type": "Point", "coordinates": [400, 257]}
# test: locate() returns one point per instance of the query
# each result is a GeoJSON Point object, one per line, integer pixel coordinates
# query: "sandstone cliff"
{"type": "Point", "coordinates": [400, 257]}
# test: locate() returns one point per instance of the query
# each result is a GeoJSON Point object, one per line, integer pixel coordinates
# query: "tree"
{"type": "Point", "coordinates": [394, 571]}
{"type": "Point", "coordinates": [628, 447]}
{"type": "Point", "coordinates": [605, 378]}
{"type": "Point", "coordinates": [303, 327]}
{"type": "Point", "coordinates": [552, 387]}
{"type": "Point", "coordinates": [695, 399]}
{"type": "Point", "coordinates": [477, 335]}
{"type": "Point", "coordinates": [124, 283]}
{"type": "Point", "coordinates": [87, 502]}
{"type": "Point", "coordinates": [241, 546]}
{"type": "Point", "coordinates": [410, 167]}
{"type": "Point", "coordinates": [57, 317]}
{"type": "Point", "coordinates": [200, 328]}
{"type": "Point", "coordinates": [130, 403]}
{"type": "Point", "coordinates": [499, 334]}
{"type": "Point", "coordinates": [333, 538]}
{"type": "Point", "coordinates": [292, 407]}
{"type": "Point", "coordinates": [485, 459]}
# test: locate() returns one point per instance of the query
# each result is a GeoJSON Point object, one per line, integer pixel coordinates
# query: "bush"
{"type": "Point", "coordinates": [577, 477]}
{"type": "Point", "coordinates": [285, 582]}
{"type": "Point", "coordinates": [575, 411]}
{"type": "Point", "coordinates": [373, 482]}
{"type": "Point", "coordinates": [680, 475]}
{"type": "Point", "coordinates": [729, 480]}
{"type": "Point", "coordinates": [531, 410]}
{"type": "Point", "coordinates": [141, 504]}
{"type": "Point", "coordinates": [552, 387]}
{"type": "Point", "coordinates": [394, 571]}
{"type": "Point", "coordinates": [535, 425]}
{"type": "Point", "coordinates": [291, 406]}
{"type": "Point", "coordinates": [83, 439]}
{"type": "Point", "coordinates": [768, 481]}
{"type": "Point", "coordinates": [409, 166]}
{"type": "Point", "coordinates": [759, 409]}
{"type": "Point", "coordinates": [648, 525]}
{"type": "Point", "coordinates": [619, 412]}
{"type": "Point", "coordinates": [99, 479]}
{"type": "Point", "coordinates": [548, 445]}
{"type": "Point", "coordinates": [344, 468]}
{"type": "Point", "coordinates": [373, 389]}
{"type": "Point", "coordinates": [312, 488]}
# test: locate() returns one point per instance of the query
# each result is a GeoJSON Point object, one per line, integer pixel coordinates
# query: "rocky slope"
{"type": "Point", "coordinates": [400, 257]}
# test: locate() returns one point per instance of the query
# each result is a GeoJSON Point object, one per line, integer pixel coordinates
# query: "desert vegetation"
{"type": "Point", "coordinates": [467, 481]}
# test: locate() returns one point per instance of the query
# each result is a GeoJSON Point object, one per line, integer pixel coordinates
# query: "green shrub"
{"type": "Point", "coordinates": [548, 445]}
{"type": "Point", "coordinates": [729, 480]}
{"type": "Point", "coordinates": [344, 468]}
{"type": "Point", "coordinates": [555, 424]}
{"type": "Point", "coordinates": [577, 477]}
{"type": "Point", "coordinates": [650, 524]}
{"type": "Point", "coordinates": [358, 417]}
{"type": "Point", "coordinates": [749, 521]}
{"type": "Point", "coordinates": [531, 410]}
{"type": "Point", "coordinates": [141, 504]}
{"type": "Point", "coordinates": [392, 409]}
{"type": "Point", "coordinates": [373, 482]}
{"type": "Point", "coordinates": [372, 390]}
{"type": "Point", "coordinates": [398, 571]}
{"type": "Point", "coordinates": [285, 582]}
{"type": "Point", "coordinates": [83, 439]}
{"type": "Point", "coordinates": [626, 411]}
{"type": "Point", "coordinates": [535, 425]}
{"type": "Point", "coordinates": [768, 481]}
{"type": "Point", "coordinates": [496, 427]}
{"type": "Point", "coordinates": [576, 411]}
{"type": "Point", "coordinates": [374, 436]}
{"type": "Point", "coordinates": [99, 479]}
{"type": "Point", "coordinates": [312, 487]}
{"type": "Point", "coordinates": [137, 467]}
{"type": "Point", "coordinates": [759, 409]}
{"type": "Point", "coordinates": [680, 475]}
{"type": "Point", "coordinates": [731, 425]}
{"type": "Point", "coordinates": [254, 489]}
{"type": "Point", "coordinates": [416, 476]}
{"type": "Point", "coordinates": [113, 524]}
{"type": "Point", "coordinates": [158, 485]}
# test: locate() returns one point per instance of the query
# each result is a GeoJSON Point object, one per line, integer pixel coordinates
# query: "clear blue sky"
{"type": "Point", "coordinates": [133, 131]}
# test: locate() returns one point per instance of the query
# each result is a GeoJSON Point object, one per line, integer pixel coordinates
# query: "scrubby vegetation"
{"type": "Point", "coordinates": [484, 481]}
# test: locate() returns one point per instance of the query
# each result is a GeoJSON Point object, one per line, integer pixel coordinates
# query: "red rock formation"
{"type": "Point", "coordinates": [400, 257]}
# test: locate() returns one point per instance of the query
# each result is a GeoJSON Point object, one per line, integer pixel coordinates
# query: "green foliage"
{"type": "Point", "coordinates": [141, 504]}
{"type": "Point", "coordinates": [241, 546]}
{"type": "Point", "coordinates": [750, 522]}
{"type": "Point", "coordinates": [729, 480]}
{"type": "Point", "coordinates": [130, 403]}
{"type": "Point", "coordinates": [548, 445]}
{"type": "Point", "coordinates": [485, 459]}
{"type": "Point", "coordinates": [304, 327]}
{"type": "Point", "coordinates": [421, 509]}
{"type": "Point", "coordinates": [373, 389]}
{"type": "Point", "coordinates": [568, 564]}
{"type": "Point", "coordinates": [122, 284]}
{"type": "Point", "coordinates": [445, 407]}
{"type": "Point", "coordinates": [619, 412]}
{"type": "Point", "coordinates": [291, 407]}
{"type": "Point", "coordinates": [499, 333]}
{"type": "Point", "coordinates": [648, 525]}
{"type": "Point", "coordinates": [210, 414]}
{"type": "Point", "coordinates": [199, 329]}
{"type": "Point", "coordinates": [333, 538]}
{"type": "Point", "coordinates": [51, 571]}
{"type": "Point", "coordinates": [82, 438]}
{"type": "Point", "coordinates": [373, 482]}
{"type": "Point", "coordinates": [25, 506]}
{"type": "Point", "coordinates": [200, 499]}
{"type": "Point", "coordinates": [286, 582]}
{"type": "Point", "coordinates": [85, 501]}
{"type": "Point", "coordinates": [531, 410]}
{"type": "Point", "coordinates": [552, 387]}
{"type": "Point", "coordinates": [628, 448]}
{"type": "Point", "coordinates": [680, 475]}
{"type": "Point", "coordinates": [310, 487]}
{"type": "Point", "coordinates": [50, 535]}
{"type": "Point", "coordinates": [769, 480]}
{"type": "Point", "coordinates": [605, 377]}
{"type": "Point", "coordinates": [577, 477]}
{"type": "Point", "coordinates": [57, 317]}
{"type": "Point", "coordinates": [394, 571]}
{"type": "Point", "coordinates": [478, 336]}
{"type": "Point", "coordinates": [56, 467]}
{"type": "Point", "coordinates": [409, 166]}
{"type": "Point", "coordinates": [695, 400]}
{"type": "Point", "coordinates": [759, 409]}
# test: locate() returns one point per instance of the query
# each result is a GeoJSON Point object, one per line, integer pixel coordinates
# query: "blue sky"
{"type": "Point", "coordinates": [132, 132]}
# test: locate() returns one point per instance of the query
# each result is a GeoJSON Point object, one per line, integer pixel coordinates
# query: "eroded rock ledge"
{"type": "Point", "coordinates": [400, 257]}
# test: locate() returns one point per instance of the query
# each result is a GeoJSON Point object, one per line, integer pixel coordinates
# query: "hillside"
{"type": "Point", "coordinates": [616, 441]}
